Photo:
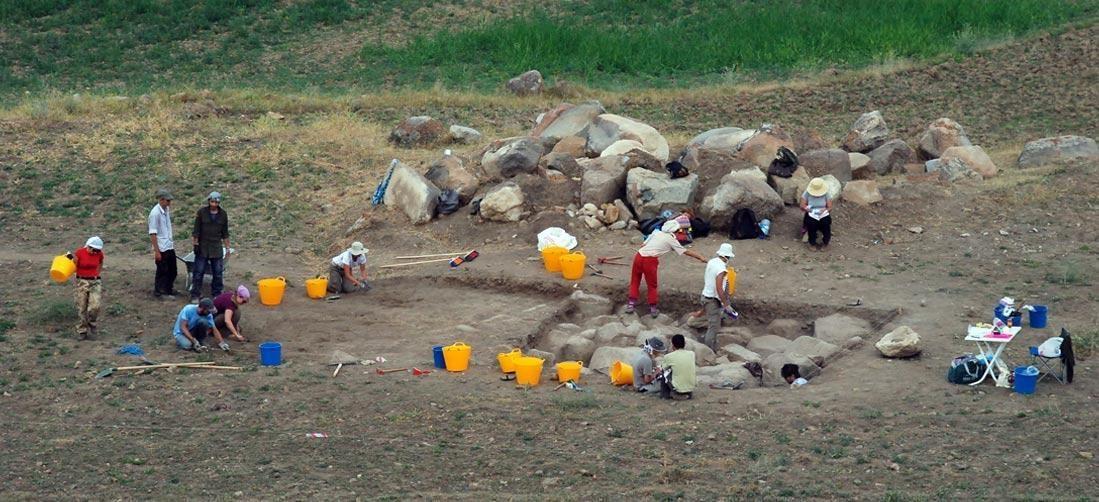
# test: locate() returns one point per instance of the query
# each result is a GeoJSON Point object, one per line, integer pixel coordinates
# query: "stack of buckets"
{"type": "Point", "coordinates": [452, 357]}
{"type": "Point", "coordinates": [559, 259]}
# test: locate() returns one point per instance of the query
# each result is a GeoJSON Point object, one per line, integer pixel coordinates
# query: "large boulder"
{"type": "Point", "coordinates": [570, 121]}
{"type": "Point", "coordinates": [554, 341]}
{"type": "Point", "coordinates": [724, 138]}
{"type": "Point", "coordinates": [739, 335]}
{"type": "Point", "coordinates": [604, 180]}
{"type": "Point", "coordinates": [572, 146]}
{"type": "Point", "coordinates": [562, 162]}
{"type": "Point", "coordinates": [741, 353]}
{"type": "Point", "coordinates": [650, 193]}
{"type": "Point", "coordinates": [464, 135]}
{"type": "Point", "coordinates": [504, 202]}
{"type": "Point", "coordinates": [789, 329]}
{"type": "Point", "coordinates": [412, 193]}
{"type": "Point", "coordinates": [761, 147]}
{"type": "Point", "coordinates": [837, 329]}
{"type": "Point", "coordinates": [529, 83]}
{"type": "Point", "coordinates": [449, 173]}
{"type": "Point", "coordinates": [790, 189]}
{"type": "Point", "coordinates": [703, 354]}
{"type": "Point", "coordinates": [588, 306]}
{"type": "Point", "coordinates": [891, 157]}
{"type": "Point", "coordinates": [417, 132]}
{"type": "Point", "coordinates": [808, 139]}
{"type": "Point", "coordinates": [577, 348]}
{"type": "Point", "coordinates": [640, 158]}
{"type": "Point", "coordinates": [833, 184]}
{"type": "Point", "coordinates": [711, 164]}
{"type": "Point", "coordinates": [772, 367]}
{"type": "Point", "coordinates": [814, 348]}
{"type": "Point", "coordinates": [604, 357]}
{"type": "Point", "coordinates": [831, 161]}
{"type": "Point", "coordinates": [768, 344]}
{"type": "Point", "coordinates": [951, 170]}
{"type": "Point", "coordinates": [974, 157]}
{"type": "Point", "coordinates": [860, 166]}
{"type": "Point", "coordinates": [736, 192]}
{"type": "Point", "coordinates": [901, 342]}
{"type": "Point", "coordinates": [621, 146]}
{"type": "Point", "coordinates": [608, 128]}
{"type": "Point", "coordinates": [731, 375]}
{"type": "Point", "coordinates": [1058, 149]}
{"type": "Point", "coordinates": [862, 192]}
{"type": "Point", "coordinates": [868, 132]}
{"type": "Point", "coordinates": [508, 157]}
{"type": "Point", "coordinates": [941, 134]}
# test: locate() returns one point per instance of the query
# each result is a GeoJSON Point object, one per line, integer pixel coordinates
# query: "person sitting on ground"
{"type": "Point", "coordinates": [227, 305]}
{"type": "Point", "coordinates": [647, 261]}
{"type": "Point", "coordinates": [341, 279]}
{"type": "Point", "coordinates": [679, 371]}
{"type": "Point", "coordinates": [817, 206]}
{"type": "Point", "coordinates": [792, 374]}
{"type": "Point", "coordinates": [645, 371]}
{"type": "Point", "coordinates": [193, 325]}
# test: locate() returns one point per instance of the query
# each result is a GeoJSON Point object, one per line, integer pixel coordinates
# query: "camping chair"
{"type": "Point", "coordinates": [1054, 358]}
{"type": "Point", "coordinates": [189, 261]}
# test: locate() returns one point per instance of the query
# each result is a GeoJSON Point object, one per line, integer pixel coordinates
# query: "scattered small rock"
{"type": "Point", "coordinates": [916, 229]}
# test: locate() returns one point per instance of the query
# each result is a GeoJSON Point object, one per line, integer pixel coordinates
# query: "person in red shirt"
{"type": "Point", "coordinates": [89, 289]}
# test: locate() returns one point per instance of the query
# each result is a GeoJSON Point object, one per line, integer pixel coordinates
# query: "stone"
{"type": "Point", "coordinates": [544, 120]}
{"type": "Point", "coordinates": [868, 132]}
{"type": "Point", "coordinates": [554, 342]}
{"type": "Point", "coordinates": [973, 157]}
{"type": "Point", "coordinates": [548, 358]}
{"type": "Point", "coordinates": [731, 375]}
{"type": "Point", "coordinates": [577, 348]}
{"type": "Point", "coordinates": [412, 193]}
{"type": "Point", "coordinates": [449, 173]}
{"type": "Point", "coordinates": [529, 83]}
{"type": "Point", "coordinates": [772, 367]}
{"type": "Point", "coordinates": [417, 131]}
{"type": "Point", "coordinates": [834, 186]}
{"type": "Point", "coordinates": [1057, 149]}
{"type": "Point", "coordinates": [831, 161]}
{"type": "Point", "coordinates": [570, 122]}
{"type": "Point", "coordinates": [941, 134]}
{"type": "Point", "coordinates": [604, 180]}
{"type": "Point", "coordinates": [509, 157]}
{"type": "Point", "coordinates": [610, 213]}
{"type": "Point", "coordinates": [703, 354]}
{"type": "Point", "coordinates": [587, 305]}
{"type": "Point", "coordinates": [651, 193]}
{"type": "Point", "coordinates": [951, 170]}
{"type": "Point", "coordinates": [588, 209]}
{"type": "Point", "coordinates": [608, 128]}
{"type": "Point", "coordinates": [761, 147]}
{"type": "Point", "coordinates": [624, 213]}
{"type": "Point", "coordinates": [697, 322]}
{"type": "Point", "coordinates": [592, 222]}
{"type": "Point", "coordinates": [618, 225]}
{"type": "Point", "coordinates": [569, 327]}
{"type": "Point", "coordinates": [724, 138]}
{"type": "Point", "coordinates": [901, 342]}
{"type": "Point", "coordinates": [751, 173]}
{"type": "Point", "coordinates": [464, 135]}
{"type": "Point", "coordinates": [768, 344]}
{"type": "Point", "coordinates": [736, 192]}
{"type": "Point", "coordinates": [604, 357]}
{"type": "Point", "coordinates": [853, 343]}
{"type": "Point", "coordinates": [786, 328]}
{"type": "Point", "coordinates": [620, 147]}
{"type": "Point", "coordinates": [641, 158]}
{"type": "Point", "coordinates": [838, 328]}
{"type": "Point", "coordinates": [808, 139]}
{"type": "Point", "coordinates": [504, 202]}
{"type": "Point", "coordinates": [742, 353]}
{"type": "Point", "coordinates": [860, 166]}
{"type": "Point", "coordinates": [891, 157]}
{"type": "Point", "coordinates": [862, 192]}
{"type": "Point", "coordinates": [790, 189]}
{"type": "Point", "coordinates": [814, 348]}
{"type": "Point", "coordinates": [734, 334]}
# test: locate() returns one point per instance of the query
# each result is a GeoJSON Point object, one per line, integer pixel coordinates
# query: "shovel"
{"type": "Point", "coordinates": [339, 358]}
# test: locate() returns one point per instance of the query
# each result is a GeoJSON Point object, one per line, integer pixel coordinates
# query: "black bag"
{"type": "Point", "coordinates": [744, 225]}
{"type": "Point", "coordinates": [699, 228]}
{"type": "Point", "coordinates": [647, 227]}
{"type": "Point", "coordinates": [448, 202]}
{"type": "Point", "coordinates": [965, 370]}
{"type": "Point", "coordinates": [676, 170]}
{"type": "Point", "coordinates": [785, 163]}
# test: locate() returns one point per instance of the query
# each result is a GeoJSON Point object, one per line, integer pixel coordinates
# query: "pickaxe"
{"type": "Point", "coordinates": [598, 273]}
{"type": "Point", "coordinates": [610, 260]}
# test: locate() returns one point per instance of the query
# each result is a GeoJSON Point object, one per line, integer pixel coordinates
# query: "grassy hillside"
{"type": "Point", "coordinates": [132, 46]}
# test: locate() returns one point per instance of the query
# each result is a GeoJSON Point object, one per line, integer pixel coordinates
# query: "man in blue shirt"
{"type": "Point", "coordinates": [194, 323]}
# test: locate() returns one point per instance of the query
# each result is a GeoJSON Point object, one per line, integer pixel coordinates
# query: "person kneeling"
{"type": "Point", "coordinates": [646, 375]}
{"type": "Point", "coordinates": [679, 371]}
{"type": "Point", "coordinates": [227, 305]}
{"type": "Point", "coordinates": [792, 374]}
{"type": "Point", "coordinates": [193, 325]}
{"type": "Point", "coordinates": [341, 276]}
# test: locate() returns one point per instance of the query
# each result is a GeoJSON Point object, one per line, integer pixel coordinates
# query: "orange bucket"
{"type": "Point", "coordinates": [507, 360]}
{"type": "Point", "coordinates": [551, 257]}
{"type": "Point", "coordinates": [569, 370]}
{"type": "Point", "coordinates": [528, 370]}
{"type": "Point", "coordinates": [621, 373]}
{"type": "Point", "coordinates": [457, 356]}
{"type": "Point", "coordinates": [61, 269]}
{"type": "Point", "coordinates": [572, 266]}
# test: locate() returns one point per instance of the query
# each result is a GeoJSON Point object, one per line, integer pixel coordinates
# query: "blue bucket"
{"type": "Point", "coordinates": [270, 353]}
{"type": "Point", "coordinates": [1016, 318]}
{"type": "Point", "coordinates": [437, 351]}
{"type": "Point", "coordinates": [1038, 316]}
{"type": "Point", "coordinates": [1026, 379]}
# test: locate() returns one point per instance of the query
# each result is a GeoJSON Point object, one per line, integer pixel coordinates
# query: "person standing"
{"type": "Point", "coordinates": [647, 261]}
{"type": "Point", "coordinates": [228, 315]}
{"type": "Point", "coordinates": [715, 295]}
{"type": "Point", "coordinates": [211, 241]}
{"type": "Point", "coordinates": [341, 276]}
{"type": "Point", "coordinates": [89, 288]}
{"type": "Point", "coordinates": [164, 251]}
{"type": "Point", "coordinates": [817, 206]}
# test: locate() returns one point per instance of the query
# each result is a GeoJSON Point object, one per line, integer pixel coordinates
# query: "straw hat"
{"type": "Point", "coordinates": [817, 187]}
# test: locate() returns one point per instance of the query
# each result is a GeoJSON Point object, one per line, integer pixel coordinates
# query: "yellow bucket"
{"type": "Point", "coordinates": [271, 290]}
{"type": "Point", "coordinates": [62, 268]}
{"type": "Point", "coordinates": [551, 257]}
{"type": "Point", "coordinates": [621, 373]}
{"type": "Point", "coordinates": [572, 266]}
{"type": "Point", "coordinates": [528, 370]}
{"type": "Point", "coordinates": [569, 370]}
{"type": "Point", "coordinates": [316, 288]}
{"type": "Point", "coordinates": [457, 356]}
{"type": "Point", "coordinates": [507, 360]}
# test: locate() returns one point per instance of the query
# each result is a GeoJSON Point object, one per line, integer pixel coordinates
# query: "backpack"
{"type": "Point", "coordinates": [676, 169]}
{"type": "Point", "coordinates": [699, 228]}
{"type": "Point", "coordinates": [448, 202]}
{"type": "Point", "coordinates": [785, 163]}
{"type": "Point", "coordinates": [647, 226]}
{"type": "Point", "coordinates": [744, 224]}
{"type": "Point", "coordinates": [965, 370]}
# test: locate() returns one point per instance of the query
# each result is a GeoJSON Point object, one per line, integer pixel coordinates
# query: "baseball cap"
{"type": "Point", "coordinates": [163, 194]}
{"type": "Point", "coordinates": [208, 304]}
{"type": "Point", "coordinates": [95, 243]}
{"type": "Point", "coordinates": [214, 196]}
{"type": "Point", "coordinates": [656, 344]}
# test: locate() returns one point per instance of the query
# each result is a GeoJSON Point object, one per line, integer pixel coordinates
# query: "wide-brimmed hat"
{"type": "Point", "coordinates": [656, 344]}
{"type": "Point", "coordinates": [95, 243]}
{"type": "Point", "coordinates": [670, 227]}
{"type": "Point", "coordinates": [357, 248]}
{"type": "Point", "coordinates": [725, 250]}
{"type": "Point", "coordinates": [817, 187]}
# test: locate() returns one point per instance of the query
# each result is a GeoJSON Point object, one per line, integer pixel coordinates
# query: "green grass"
{"type": "Point", "coordinates": [53, 312]}
{"type": "Point", "coordinates": [132, 46]}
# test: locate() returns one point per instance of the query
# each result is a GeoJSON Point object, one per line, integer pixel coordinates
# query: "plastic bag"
{"type": "Point", "coordinates": [555, 236]}
{"type": "Point", "coordinates": [448, 202]}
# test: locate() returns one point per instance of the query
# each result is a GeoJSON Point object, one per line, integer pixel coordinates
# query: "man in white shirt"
{"type": "Point", "coordinates": [647, 260]}
{"type": "Point", "coordinates": [715, 296]}
{"type": "Point", "coordinates": [164, 253]}
{"type": "Point", "coordinates": [341, 279]}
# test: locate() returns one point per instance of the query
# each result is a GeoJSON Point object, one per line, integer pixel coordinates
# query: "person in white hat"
{"type": "Point", "coordinates": [715, 294]}
{"type": "Point", "coordinates": [647, 261]}
{"type": "Point", "coordinates": [211, 242]}
{"type": "Point", "coordinates": [89, 287]}
{"type": "Point", "coordinates": [341, 279]}
{"type": "Point", "coordinates": [817, 206]}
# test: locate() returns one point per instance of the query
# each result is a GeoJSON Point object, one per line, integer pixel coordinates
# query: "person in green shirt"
{"type": "Point", "coordinates": [679, 371]}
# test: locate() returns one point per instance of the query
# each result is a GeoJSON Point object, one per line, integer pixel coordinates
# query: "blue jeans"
{"type": "Point", "coordinates": [216, 267]}
{"type": "Point", "coordinates": [199, 332]}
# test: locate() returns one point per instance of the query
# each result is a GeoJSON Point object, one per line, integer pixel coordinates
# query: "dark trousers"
{"type": "Point", "coordinates": [166, 272]}
{"type": "Point", "coordinates": [216, 266]}
{"type": "Point", "coordinates": [823, 225]}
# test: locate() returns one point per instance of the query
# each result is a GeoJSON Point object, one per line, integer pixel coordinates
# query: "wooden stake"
{"type": "Point", "coordinates": [461, 253]}
{"type": "Point", "coordinates": [234, 368]}
{"type": "Point", "coordinates": [395, 265]}
{"type": "Point", "coordinates": [165, 365]}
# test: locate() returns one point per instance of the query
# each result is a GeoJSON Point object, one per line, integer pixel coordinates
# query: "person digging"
{"type": "Point", "coordinates": [645, 370]}
{"type": "Point", "coordinates": [193, 325]}
{"type": "Point", "coordinates": [341, 278]}
{"type": "Point", "coordinates": [227, 305]}
{"type": "Point", "coordinates": [647, 260]}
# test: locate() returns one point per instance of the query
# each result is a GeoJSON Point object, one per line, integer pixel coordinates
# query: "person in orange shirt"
{"type": "Point", "coordinates": [89, 288]}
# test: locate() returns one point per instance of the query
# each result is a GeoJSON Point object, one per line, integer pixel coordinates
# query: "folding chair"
{"type": "Point", "coordinates": [1054, 358]}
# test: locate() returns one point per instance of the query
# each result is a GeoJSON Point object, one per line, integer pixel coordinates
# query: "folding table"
{"type": "Point", "coordinates": [991, 347]}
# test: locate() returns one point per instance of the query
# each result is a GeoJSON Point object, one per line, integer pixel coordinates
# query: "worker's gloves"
{"type": "Point", "coordinates": [224, 346]}
{"type": "Point", "coordinates": [365, 286]}
{"type": "Point", "coordinates": [201, 348]}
